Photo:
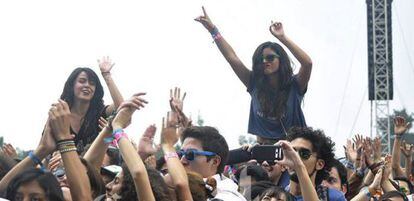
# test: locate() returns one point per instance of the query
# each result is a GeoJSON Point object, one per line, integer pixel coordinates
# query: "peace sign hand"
{"type": "Point", "coordinates": [205, 21]}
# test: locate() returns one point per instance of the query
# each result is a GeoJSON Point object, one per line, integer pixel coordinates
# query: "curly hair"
{"type": "Point", "coordinates": [272, 103]}
{"type": "Point", "coordinates": [321, 144]}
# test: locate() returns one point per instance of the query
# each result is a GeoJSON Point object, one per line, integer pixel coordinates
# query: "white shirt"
{"type": "Point", "coordinates": [227, 189]}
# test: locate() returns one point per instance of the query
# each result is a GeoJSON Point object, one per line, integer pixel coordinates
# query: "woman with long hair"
{"type": "Point", "coordinates": [83, 92]}
{"type": "Point", "coordinates": [275, 91]}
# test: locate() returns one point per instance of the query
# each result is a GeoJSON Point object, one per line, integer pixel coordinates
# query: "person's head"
{"type": "Point", "coordinates": [123, 187]}
{"type": "Point", "coordinates": [204, 150]}
{"type": "Point", "coordinates": [271, 61]}
{"type": "Point", "coordinates": [82, 85]}
{"type": "Point", "coordinates": [393, 196]}
{"type": "Point", "coordinates": [316, 151]}
{"type": "Point", "coordinates": [275, 194]}
{"type": "Point", "coordinates": [250, 174]}
{"type": "Point", "coordinates": [34, 184]}
{"type": "Point", "coordinates": [403, 185]}
{"type": "Point", "coordinates": [337, 177]}
{"type": "Point", "coordinates": [112, 157]}
{"type": "Point", "coordinates": [274, 171]}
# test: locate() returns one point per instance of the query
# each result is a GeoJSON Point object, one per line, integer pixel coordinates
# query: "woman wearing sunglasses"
{"type": "Point", "coordinates": [276, 93]}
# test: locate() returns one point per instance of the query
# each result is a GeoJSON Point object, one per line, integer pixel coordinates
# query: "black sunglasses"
{"type": "Point", "coordinates": [270, 57]}
{"type": "Point", "coordinates": [190, 154]}
{"type": "Point", "coordinates": [304, 153]}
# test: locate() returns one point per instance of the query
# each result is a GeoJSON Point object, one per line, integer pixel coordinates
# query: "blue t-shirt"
{"type": "Point", "coordinates": [271, 127]}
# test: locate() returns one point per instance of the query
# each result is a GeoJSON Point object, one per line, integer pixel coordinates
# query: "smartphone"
{"type": "Point", "coordinates": [238, 156]}
{"type": "Point", "coordinates": [269, 153]}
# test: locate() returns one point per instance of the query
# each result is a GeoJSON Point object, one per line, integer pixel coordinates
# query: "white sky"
{"type": "Point", "coordinates": [156, 45]}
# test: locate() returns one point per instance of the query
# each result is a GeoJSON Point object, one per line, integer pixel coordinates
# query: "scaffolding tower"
{"type": "Point", "coordinates": [380, 79]}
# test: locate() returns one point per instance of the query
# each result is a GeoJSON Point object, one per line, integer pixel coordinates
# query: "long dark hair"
{"type": "Point", "coordinates": [96, 106]}
{"type": "Point", "coordinates": [46, 181]}
{"type": "Point", "coordinates": [272, 102]}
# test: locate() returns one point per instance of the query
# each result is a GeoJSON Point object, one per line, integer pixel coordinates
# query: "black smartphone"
{"type": "Point", "coordinates": [238, 156]}
{"type": "Point", "coordinates": [268, 153]}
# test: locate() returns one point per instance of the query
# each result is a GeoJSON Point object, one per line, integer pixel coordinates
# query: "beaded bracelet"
{"type": "Point", "coordinates": [62, 151]}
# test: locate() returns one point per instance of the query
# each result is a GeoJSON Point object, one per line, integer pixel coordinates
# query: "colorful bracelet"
{"type": "Point", "coordinates": [170, 155]}
{"type": "Point", "coordinates": [62, 151]}
{"type": "Point", "coordinates": [215, 34]}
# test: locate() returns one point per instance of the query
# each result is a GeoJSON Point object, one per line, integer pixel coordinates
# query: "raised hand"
{"type": "Point", "coordinates": [126, 109]}
{"type": "Point", "coordinates": [205, 21]}
{"type": "Point", "coordinates": [59, 119]}
{"type": "Point", "coordinates": [176, 101]}
{"type": "Point", "coordinates": [146, 143]}
{"type": "Point", "coordinates": [377, 148]}
{"type": "Point", "coordinates": [169, 134]}
{"type": "Point", "coordinates": [407, 149]}
{"type": "Point", "coordinates": [375, 186]}
{"type": "Point", "coordinates": [9, 150]}
{"type": "Point", "coordinates": [400, 125]}
{"type": "Point", "coordinates": [350, 151]}
{"type": "Point", "coordinates": [105, 64]}
{"type": "Point", "coordinates": [276, 28]}
{"type": "Point", "coordinates": [291, 158]}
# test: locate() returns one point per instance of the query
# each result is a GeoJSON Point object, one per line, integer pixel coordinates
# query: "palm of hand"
{"type": "Point", "coordinates": [146, 145]}
{"type": "Point", "coordinates": [169, 135]}
{"type": "Point", "coordinates": [105, 65]}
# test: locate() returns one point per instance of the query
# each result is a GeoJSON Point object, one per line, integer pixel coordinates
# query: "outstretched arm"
{"type": "Point", "coordinates": [80, 188]}
{"type": "Point", "coordinates": [305, 61]}
{"type": "Point", "coordinates": [132, 159]}
{"type": "Point", "coordinates": [400, 127]}
{"type": "Point", "coordinates": [169, 136]}
{"type": "Point", "coordinates": [229, 54]}
{"type": "Point", "coordinates": [46, 146]}
{"type": "Point", "coordinates": [105, 65]}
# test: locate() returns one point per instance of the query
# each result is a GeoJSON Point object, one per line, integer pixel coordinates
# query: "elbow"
{"type": "Point", "coordinates": [307, 63]}
{"type": "Point", "coordinates": [181, 184]}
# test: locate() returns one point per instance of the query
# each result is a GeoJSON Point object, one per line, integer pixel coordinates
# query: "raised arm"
{"type": "Point", "coordinates": [305, 61]}
{"type": "Point", "coordinates": [46, 146]}
{"type": "Point", "coordinates": [407, 150]}
{"type": "Point", "coordinates": [96, 153]}
{"type": "Point", "coordinates": [59, 117]}
{"type": "Point", "coordinates": [105, 65]}
{"type": "Point", "coordinates": [169, 137]}
{"type": "Point", "coordinates": [292, 160]}
{"type": "Point", "coordinates": [131, 158]}
{"type": "Point", "coordinates": [229, 54]}
{"type": "Point", "coordinates": [400, 127]}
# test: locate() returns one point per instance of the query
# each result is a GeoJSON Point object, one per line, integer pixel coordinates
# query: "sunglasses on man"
{"type": "Point", "coordinates": [304, 153]}
{"type": "Point", "coordinates": [190, 154]}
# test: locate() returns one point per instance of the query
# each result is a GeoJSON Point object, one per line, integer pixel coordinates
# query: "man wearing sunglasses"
{"type": "Point", "coordinates": [204, 151]}
{"type": "Point", "coordinates": [316, 154]}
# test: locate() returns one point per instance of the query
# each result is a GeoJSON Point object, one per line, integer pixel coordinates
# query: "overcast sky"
{"type": "Point", "coordinates": [157, 45]}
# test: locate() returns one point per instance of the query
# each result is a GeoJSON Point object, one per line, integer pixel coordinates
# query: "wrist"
{"type": "Point", "coordinates": [63, 137]}
{"type": "Point", "coordinates": [41, 152]}
{"type": "Point", "coordinates": [166, 147]}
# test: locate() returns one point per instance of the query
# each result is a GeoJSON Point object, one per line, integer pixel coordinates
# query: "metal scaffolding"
{"type": "Point", "coordinates": [380, 67]}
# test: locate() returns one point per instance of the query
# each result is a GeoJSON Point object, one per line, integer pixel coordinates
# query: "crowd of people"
{"type": "Point", "coordinates": [85, 153]}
